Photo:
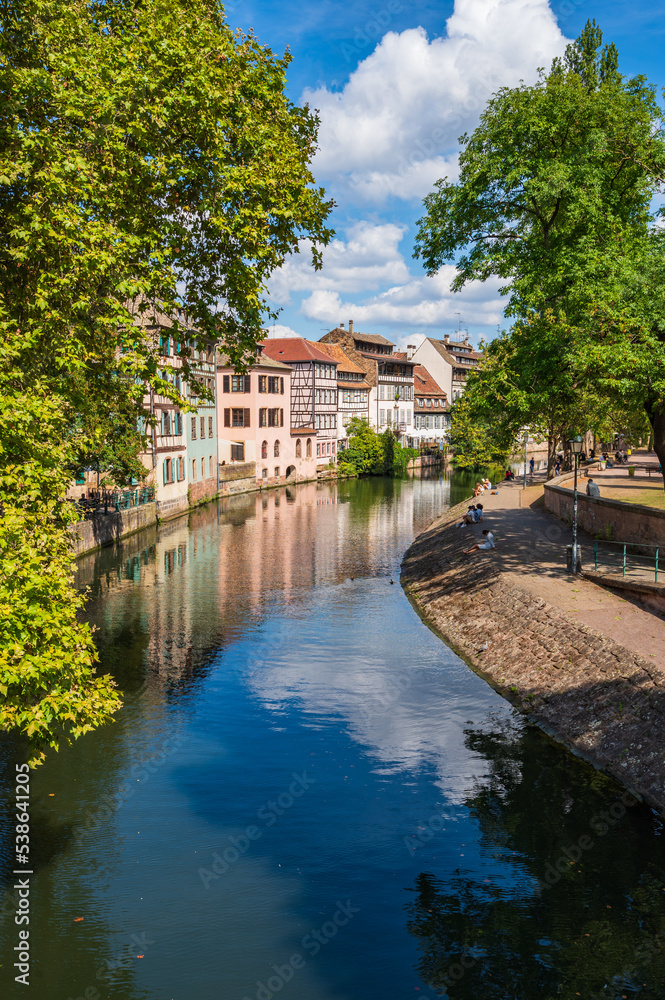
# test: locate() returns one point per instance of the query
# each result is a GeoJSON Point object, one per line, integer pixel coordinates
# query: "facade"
{"type": "Point", "coordinates": [201, 427]}
{"type": "Point", "coordinates": [313, 391]}
{"type": "Point", "coordinates": [389, 375]}
{"type": "Point", "coordinates": [253, 424]}
{"type": "Point", "coordinates": [353, 391]}
{"type": "Point", "coordinates": [448, 361]}
{"type": "Point", "coordinates": [431, 417]}
{"type": "Point", "coordinates": [166, 460]}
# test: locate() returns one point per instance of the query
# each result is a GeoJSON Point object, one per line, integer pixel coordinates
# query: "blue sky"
{"type": "Point", "coordinates": [396, 83]}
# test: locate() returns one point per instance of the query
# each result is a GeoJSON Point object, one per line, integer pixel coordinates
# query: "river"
{"type": "Point", "coordinates": [308, 795]}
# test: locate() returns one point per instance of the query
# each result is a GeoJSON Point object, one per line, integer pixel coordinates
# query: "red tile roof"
{"type": "Point", "coordinates": [344, 362]}
{"type": "Point", "coordinates": [290, 349]}
{"type": "Point", "coordinates": [424, 384]}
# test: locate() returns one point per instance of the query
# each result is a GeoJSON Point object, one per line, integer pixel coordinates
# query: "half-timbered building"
{"type": "Point", "coordinates": [388, 374]}
{"type": "Point", "coordinates": [313, 390]}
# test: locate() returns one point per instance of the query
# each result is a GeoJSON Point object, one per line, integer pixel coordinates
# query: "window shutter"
{"type": "Point", "coordinates": [245, 419]}
{"type": "Point", "coordinates": [226, 384]}
{"type": "Point", "coordinates": [281, 418]}
{"type": "Point", "coordinates": [248, 386]}
{"type": "Point", "coordinates": [164, 470]}
{"type": "Point", "coordinates": [227, 413]}
{"type": "Point", "coordinates": [281, 385]}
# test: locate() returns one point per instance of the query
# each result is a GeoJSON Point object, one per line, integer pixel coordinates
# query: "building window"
{"type": "Point", "coordinates": [180, 468]}
{"type": "Point", "coordinates": [166, 422]}
{"type": "Point", "coordinates": [164, 345]}
{"type": "Point", "coordinates": [238, 452]}
{"type": "Point", "coordinates": [193, 470]}
{"type": "Point", "coordinates": [211, 466]}
{"type": "Point", "coordinates": [333, 447]}
{"type": "Point", "coordinates": [264, 473]}
{"type": "Point", "coordinates": [264, 449]}
{"type": "Point", "coordinates": [309, 448]}
{"type": "Point", "coordinates": [237, 417]}
{"type": "Point", "coordinates": [262, 383]}
{"type": "Point", "coordinates": [382, 417]}
{"type": "Point", "coordinates": [276, 450]}
{"type": "Point", "coordinates": [298, 448]}
{"type": "Point", "coordinates": [276, 472]}
{"type": "Point", "coordinates": [263, 417]}
{"type": "Point", "coordinates": [193, 428]}
{"type": "Point", "coordinates": [318, 451]}
{"type": "Point", "coordinates": [210, 427]}
{"type": "Point", "coordinates": [408, 418]}
{"type": "Point", "coordinates": [273, 383]}
{"type": "Point", "coordinates": [275, 417]}
{"type": "Point", "coordinates": [240, 383]}
{"type": "Point", "coordinates": [168, 470]}
{"type": "Point", "coordinates": [203, 427]}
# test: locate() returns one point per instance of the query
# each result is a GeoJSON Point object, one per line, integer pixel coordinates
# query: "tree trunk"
{"type": "Point", "coordinates": [552, 442]}
{"type": "Point", "coordinates": [656, 415]}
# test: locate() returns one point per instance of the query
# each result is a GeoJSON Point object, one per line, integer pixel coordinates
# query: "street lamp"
{"type": "Point", "coordinates": [576, 448]}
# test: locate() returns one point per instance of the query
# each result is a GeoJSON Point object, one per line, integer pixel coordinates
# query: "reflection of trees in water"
{"type": "Point", "coordinates": [584, 911]}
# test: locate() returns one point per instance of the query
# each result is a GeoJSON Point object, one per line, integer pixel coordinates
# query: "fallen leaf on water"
{"type": "Point", "coordinates": [76, 919]}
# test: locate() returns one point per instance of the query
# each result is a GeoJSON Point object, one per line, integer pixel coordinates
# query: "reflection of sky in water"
{"type": "Point", "coordinates": [266, 636]}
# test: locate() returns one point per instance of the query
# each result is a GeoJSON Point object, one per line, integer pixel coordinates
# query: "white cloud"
{"type": "Point", "coordinates": [279, 330]}
{"type": "Point", "coordinates": [393, 129]}
{"type": "Point", "coordinates": [366, 260]}
{"type": "Point", "coordinates": [420, 302]}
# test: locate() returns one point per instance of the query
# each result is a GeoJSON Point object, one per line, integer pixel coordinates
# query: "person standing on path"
{"type": "Point", "coordinates": [531, 465]}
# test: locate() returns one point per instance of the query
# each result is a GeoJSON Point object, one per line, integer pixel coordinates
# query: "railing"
{"type": "Point", "coordinates": [620, 559]}
{"type": "Point", "coordinates": [105, 502]}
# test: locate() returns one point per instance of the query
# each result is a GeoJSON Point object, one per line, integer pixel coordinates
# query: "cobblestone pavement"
{"type": "Point", "coordinates": [585, 664]}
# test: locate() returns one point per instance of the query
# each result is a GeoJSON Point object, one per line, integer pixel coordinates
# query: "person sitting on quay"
{"type": "Point", "coordinates": [479, 546]}
{"type": "Point", "coordinates": [478, 489]}
{"type": "Point", "coordinates": [592, 489]}
{"type": "Point", "coordinates": [509, 475]}
{"type": "Point", "coordinates": [469, 517]}
{"type": "Point", "coordinates": [478, 513]}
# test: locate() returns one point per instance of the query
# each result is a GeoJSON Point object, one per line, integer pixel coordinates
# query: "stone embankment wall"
{"type": "Point", "coordinates": [626, 522]}
{"type": "Point", "coordinates": [600, 699]}
{"type": "Point", "coordinates": [105, 529]}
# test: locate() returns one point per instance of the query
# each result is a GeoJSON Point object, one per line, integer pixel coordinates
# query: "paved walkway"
{"type": "Point", "coordinates": [586, 664]}
{"type": "Point", "coordinates": [531, 550]}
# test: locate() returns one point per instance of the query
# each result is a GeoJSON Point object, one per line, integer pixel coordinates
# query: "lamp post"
{"type": "Point", "coordinates": [576, 448]}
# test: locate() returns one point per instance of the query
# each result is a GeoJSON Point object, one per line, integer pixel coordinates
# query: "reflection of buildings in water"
{"type": "Point", "coordinates": [196, 583]}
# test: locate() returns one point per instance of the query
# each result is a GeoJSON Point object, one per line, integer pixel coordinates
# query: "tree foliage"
{"type": "Point", "coordinates": [555, 197]}
{"type": "Point", "coordinates": [372, 454]}
{"type": "Point", "coordinates": [150, 161]}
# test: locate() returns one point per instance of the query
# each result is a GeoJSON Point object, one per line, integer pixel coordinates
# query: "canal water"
{"type": "Point", "coordinates": [308, 796]}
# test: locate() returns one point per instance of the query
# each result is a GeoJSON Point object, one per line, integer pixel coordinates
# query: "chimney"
{"type": "Point", "coordinates": [350, 326]}
{"type": "Point", "coordinates": [410, 351]}
{"type": "Point", "coordinates": [446, 338]}
{"type": "Point", "coordinates": [341, 326]}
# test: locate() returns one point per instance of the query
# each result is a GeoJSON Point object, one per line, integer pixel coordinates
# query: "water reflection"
{"type": "Point", "coordinates": [576, 905]}
{"type": "Point", "coordinates": [262, 638]}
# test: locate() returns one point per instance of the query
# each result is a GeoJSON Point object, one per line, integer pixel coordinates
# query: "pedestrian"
{"type": "Point", "coordinates": [557, 467]}
{"type": "Point", "coordinates": [592, 489]}
{"type": "Point", "coordinates": [486, 545]}
{"type": "Point", "coordinates": [469, 517]}
{"type": "Point", "coordinates": [531, 466]}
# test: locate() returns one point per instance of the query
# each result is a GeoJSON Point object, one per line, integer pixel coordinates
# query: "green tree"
{"type": "Point", "coordinates": [478, 441]}
{"type": "Point", "coordinates": [150, 163]}
{"type": "Point", "coordinates": [366, 452]}
{"type": "Point", "coordinates": [554, 196]}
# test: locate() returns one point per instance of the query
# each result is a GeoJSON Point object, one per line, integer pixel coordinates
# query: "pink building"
{"type": "Point", "coordinates": [253, 425]}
